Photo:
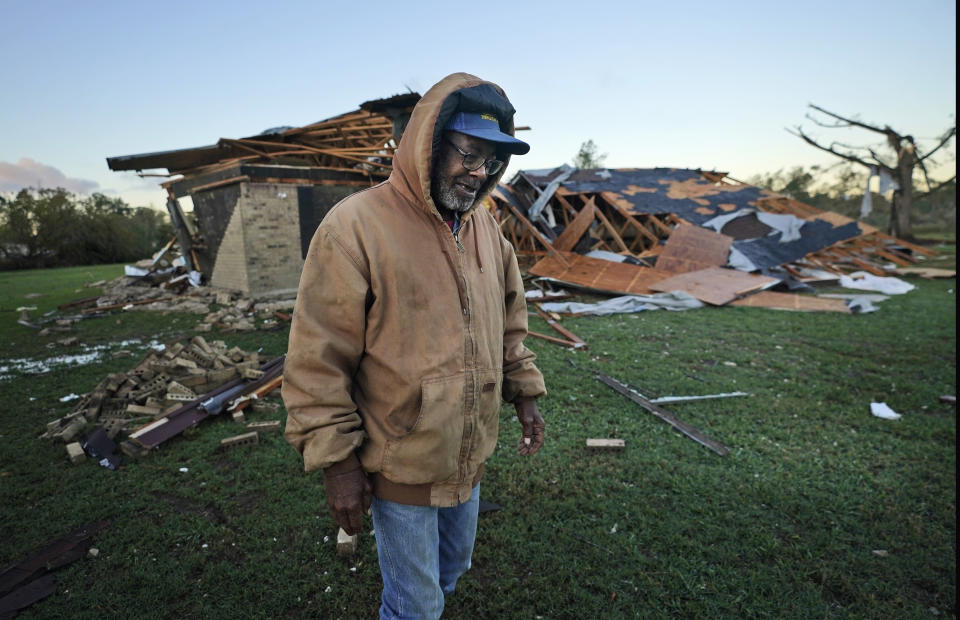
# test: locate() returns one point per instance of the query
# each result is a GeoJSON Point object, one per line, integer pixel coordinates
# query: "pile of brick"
{"type": "Point", "coordinates": [162, 382]}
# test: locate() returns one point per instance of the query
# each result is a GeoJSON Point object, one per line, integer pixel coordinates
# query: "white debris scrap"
{"type": "Point", "coordinates": [882, 410]}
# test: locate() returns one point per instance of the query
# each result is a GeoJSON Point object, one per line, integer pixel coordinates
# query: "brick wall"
{"type": "Point", "coordinates": [230, 265]}
{"type": "Point", "coordinates": [271, 232]}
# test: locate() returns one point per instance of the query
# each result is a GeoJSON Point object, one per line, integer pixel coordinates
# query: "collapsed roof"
{"type": "Point", "coordinates": [359, 143]}
{"type": "Point", "coordinates": [661, 223]}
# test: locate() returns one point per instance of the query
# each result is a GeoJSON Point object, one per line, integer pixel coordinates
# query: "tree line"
{"type": "Point", "coordinates": [54, 228]}
{"type": "Point", "coordinates": [841, 189]}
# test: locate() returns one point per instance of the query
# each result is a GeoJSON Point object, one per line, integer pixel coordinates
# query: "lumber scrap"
{"type": "Point", "coordinates": [31, 579]}
{"type": "Point", "coordinates": [663, 400]}
{"type": "Point", "coordinates": [928, 273]}
{"type": "Point", "coordinates": [663, 414]}
{"type": "Point", "coordinates": [792, 301]}
{"type": "Point", "coordinates": [563, 331]}
{"type": "Point", "coordinates": [614, 445]}
{"type": "Point", "coordinates": [560, 341]}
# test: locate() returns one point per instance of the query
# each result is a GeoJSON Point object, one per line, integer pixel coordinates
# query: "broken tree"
{"type": "Point", "coordinates": [907, 158]}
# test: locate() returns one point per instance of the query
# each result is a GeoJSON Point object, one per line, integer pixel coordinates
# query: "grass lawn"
{"type": "Point", "coordinates": [819, 509]}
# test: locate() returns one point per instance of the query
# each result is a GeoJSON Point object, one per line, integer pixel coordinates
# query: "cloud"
{"type": "Point", "coordinates": [30, 173]}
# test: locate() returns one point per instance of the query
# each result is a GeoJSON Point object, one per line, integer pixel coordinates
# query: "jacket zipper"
{"type": "Point", "coordinates": [456, 232]}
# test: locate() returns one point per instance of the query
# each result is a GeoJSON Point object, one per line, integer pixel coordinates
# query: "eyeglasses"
{"type": "Point", "coordinates": [472, 162]}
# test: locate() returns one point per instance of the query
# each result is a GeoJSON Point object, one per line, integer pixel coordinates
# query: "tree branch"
{"type": "Point", "coordinates": [829, 149]}
{"type": "Point", "coordinates": [886, 131]}
{"type": "Point", "coordinates": [946, 138]}
{"type": "Point", "coordinates": [935, 189]}
{"type": "Point", "coordinates": [877, 159]}
{"type": "Point", "coordinates": [926, 176]}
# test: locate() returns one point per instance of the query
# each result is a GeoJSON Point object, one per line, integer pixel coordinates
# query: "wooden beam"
{"type": "Point", "coordinates": [563, 331]}
{"type": "Point", "coordinates": [613, 233]}
{"type": "Point", "coordinates": [575, 229]}
{"type": "Point", "coordinates": [663, 414]}
{"type": "Point", "coordinates": [560, 341]}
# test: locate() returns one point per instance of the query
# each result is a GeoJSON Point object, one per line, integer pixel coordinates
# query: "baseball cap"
{"type": "Point", "coordinates": [486, 126]}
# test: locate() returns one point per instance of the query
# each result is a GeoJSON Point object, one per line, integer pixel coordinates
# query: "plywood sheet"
{"type": "Point", "coordinates": [598, 274]}
{"type": "Point", "coordinates": [792, 301]}
{"type": "Point", "coordinates": [692, 248]}
{"type": "Point", "coordinates": [926, 272]}
{"type": "Point", "coordinates": [716, 285]}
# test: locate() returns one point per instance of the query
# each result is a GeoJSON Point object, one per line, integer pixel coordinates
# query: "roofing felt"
{"type": "Point", "coordinates": [815, 235]}
{"type": "Point", "coordinates": [686, 193]}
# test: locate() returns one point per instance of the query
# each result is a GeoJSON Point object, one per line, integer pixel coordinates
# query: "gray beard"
{"type": "Point", "coordinates": [446, 197]}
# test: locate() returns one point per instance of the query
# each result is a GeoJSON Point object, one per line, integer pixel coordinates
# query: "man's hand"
{"type": "Point", "coordinates": [532, 423]}
{"type": "Point", "coordinates": [348, 493]}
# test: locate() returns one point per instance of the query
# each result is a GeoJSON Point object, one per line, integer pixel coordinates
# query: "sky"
{"type": "Point", "coordinates": [653, 84]}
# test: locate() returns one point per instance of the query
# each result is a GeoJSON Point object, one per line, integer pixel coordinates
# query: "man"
{"type": "Point", "coordinates": [407, 333]}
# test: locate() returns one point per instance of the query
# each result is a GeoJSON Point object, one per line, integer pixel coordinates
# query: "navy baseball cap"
{"type": "Point", "coordinates": [486, 126]}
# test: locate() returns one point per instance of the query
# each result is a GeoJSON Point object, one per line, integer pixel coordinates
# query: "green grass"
{"type": "Point", "coordinates": [785, 526]}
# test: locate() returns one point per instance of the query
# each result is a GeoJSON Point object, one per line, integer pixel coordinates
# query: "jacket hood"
{"type": "Point", "coordinates": [458, 92]}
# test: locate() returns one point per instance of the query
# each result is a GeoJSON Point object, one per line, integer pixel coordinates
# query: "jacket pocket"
{"type": "Point", "coordinates": [490, 384]}
{"type": "Point", "coordinates": [430, 451]}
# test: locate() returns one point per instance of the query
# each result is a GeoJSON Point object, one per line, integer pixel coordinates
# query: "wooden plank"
{"type": "Point", "coordinates": [692, 248]}
{"type": "Point", "coordinates": [792, 301]}
{"type": "Point", "coordinates": [926, 272]}
{"type": "Point", "coordinates": [663, 414]}
{"type": "Point", "coordinates": [563, 331]}
{"type": "Point", "coordinates": [598, 274]}
{"type": "Point", "coordinates": [528, 226]}
{"type": "Point", "coordinates": [575, 229]}
{"type": "Point", "coordinates": [612, 231]}
{"type": "Point", "coordinates": [616, 445]}
{"type": "Point", "coordinates": [560, 341]}
{"type": "Point", "coordinates": [216, 184]}
{"type": "Point", "coordinates": [614, 201]}
{"type": "Point", "coordinates": [716, 285]}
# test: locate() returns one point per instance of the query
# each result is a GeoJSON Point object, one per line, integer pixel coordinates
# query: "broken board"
{"type": "Point", "coordinates": [792, 301]}
{"type": "Point", "coordinates": [692, 248]}
{"type": "Point", "coordinates": [598, 274]}
{"type": "Point", "coordinates": [716, 285]}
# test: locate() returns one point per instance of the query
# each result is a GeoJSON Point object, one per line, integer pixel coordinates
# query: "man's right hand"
{"type": "Point", "coordinates": [348, 493]}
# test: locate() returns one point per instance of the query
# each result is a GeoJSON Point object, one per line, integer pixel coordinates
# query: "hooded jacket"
{"type": "Point", "coordinates": [404, 338]}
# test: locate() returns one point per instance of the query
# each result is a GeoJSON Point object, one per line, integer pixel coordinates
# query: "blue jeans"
{"type": "Point", "coordinates": [422, 553]}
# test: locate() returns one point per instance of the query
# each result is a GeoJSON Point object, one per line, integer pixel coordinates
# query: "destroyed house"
{"type": "Point", "coordinates": [258, 200]}
{"type": "Point", "coordinates": [651, 224]}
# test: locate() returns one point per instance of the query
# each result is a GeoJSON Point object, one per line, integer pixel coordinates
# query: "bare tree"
{"type": "Point", "coordinates": [908, 159]}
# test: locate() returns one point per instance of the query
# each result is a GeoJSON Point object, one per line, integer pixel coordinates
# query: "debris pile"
{"type": "Point", "coordinates": [650, 231]}
{"type": "Point", "coordinates": [162, 395]}
{"type": "Point", "coordinates": [224, 309]}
